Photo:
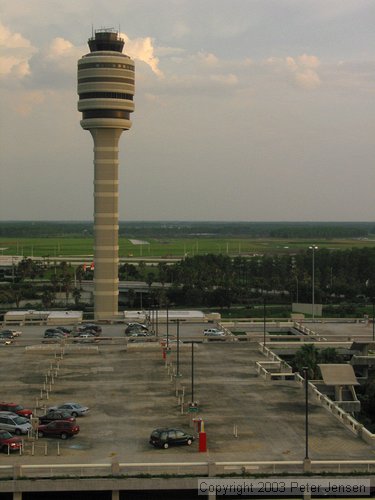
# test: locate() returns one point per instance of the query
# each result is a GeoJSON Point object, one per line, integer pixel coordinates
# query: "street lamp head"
{"type": "Point", "coordinates": [313, 247]}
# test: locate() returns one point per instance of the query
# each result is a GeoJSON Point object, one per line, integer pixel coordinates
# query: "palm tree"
{"type": "Point", "coordinates": [76, 296]}
{"type": "Point", "coordinates": [307, 357]}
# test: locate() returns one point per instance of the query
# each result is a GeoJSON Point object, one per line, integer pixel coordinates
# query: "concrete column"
{"type": "Point", "coordinates": [115, 468]}
{"type": "Point", "coordinates": [211, 469]}
{"type": "Point", "coordinates": [307, 465]}
{"type": "Point", "coordinates": [115, 495]}
{"type": "Point", "coordinates": [106, 217]}
{"type": "Point", "coordinates": [17, 495]}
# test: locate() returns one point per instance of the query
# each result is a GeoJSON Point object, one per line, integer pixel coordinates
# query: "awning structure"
{"type": "Point", "coordinates": [342, 378]}
{"type": "Point", "coordinates": [338, 374]}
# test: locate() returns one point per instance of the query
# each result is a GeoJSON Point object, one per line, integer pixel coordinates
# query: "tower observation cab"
{"type": "Point", "coordinates": [106, 91]}
{"type": "Point", "coordinates": [106, 83]}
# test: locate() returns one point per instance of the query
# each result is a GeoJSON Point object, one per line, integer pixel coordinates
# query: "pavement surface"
{"type": "Point", "coordinates": [130, 392]}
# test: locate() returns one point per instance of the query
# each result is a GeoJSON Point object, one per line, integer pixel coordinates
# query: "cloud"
{"type": "Point", "coordinates": [28, 100]}
{"type": "Point", "coordinates": [303, 68]}
{"type": "Point", "coordinates": [60, 56]}
{"type": "Point", "coordinates": [142, 49]}
{"type": "Point", "coordinates": [15, 54]}
{"type": "Point", "coordinates": [225, 79]}
{"type": "Point", "coordinates": [207, 59]}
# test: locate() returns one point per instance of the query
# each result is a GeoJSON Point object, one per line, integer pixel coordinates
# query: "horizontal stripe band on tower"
{"type": "Point", "coordinates": [106, 195]}
{"type": "Point", "coordinates": [106, 148]}
{"type": "Point", "coordinates": [106, 215]}
{"type": "Point", "coordinates": [106, 280]}
{"type": "Point", "coordinates": [106, 162]}
{"type": "Point", "coordinates": [106, 247]}
{"type": "Point", "coordinates": [106, 183]}
{"type": "Point", "coordinates": [106, 227]}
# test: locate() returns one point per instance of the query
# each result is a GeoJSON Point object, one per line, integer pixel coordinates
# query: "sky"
{"type": "Point", "coordinates": [245, 110]}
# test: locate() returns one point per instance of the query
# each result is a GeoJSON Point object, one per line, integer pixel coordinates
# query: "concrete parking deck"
{"type": "Point", "coordinates": [129, 393]}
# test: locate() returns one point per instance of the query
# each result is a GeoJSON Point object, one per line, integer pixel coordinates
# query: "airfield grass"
{"type": "Point", "coordinates": [153, 247]}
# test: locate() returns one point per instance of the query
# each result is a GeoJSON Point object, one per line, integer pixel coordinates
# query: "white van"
{"type": "Point", "coordinates": [14, 423]}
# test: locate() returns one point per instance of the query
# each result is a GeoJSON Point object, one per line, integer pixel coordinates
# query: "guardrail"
{"type": "Point", "coordinates": [176, 469]}
{"type": "Point", "coordinates": [345, 418]}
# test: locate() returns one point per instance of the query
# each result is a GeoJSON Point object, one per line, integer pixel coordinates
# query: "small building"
{"type": "Point", "coordinates": [29, 317]}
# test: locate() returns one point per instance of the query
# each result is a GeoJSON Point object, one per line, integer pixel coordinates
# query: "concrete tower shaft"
{"type": "Point", "coordinates": [106, 90]}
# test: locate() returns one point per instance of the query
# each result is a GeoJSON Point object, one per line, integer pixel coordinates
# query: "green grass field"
{"type": "Point", "coordinates": [169, 247]}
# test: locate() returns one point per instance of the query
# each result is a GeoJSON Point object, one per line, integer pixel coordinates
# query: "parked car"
{"type": "Point", "coordinates": [213, 332]}
{"type": "Point", "coordinates": [6, 337]}
{"type": "Point", "coordinates": [17, 409]}
{"type": "Point", "coordinates": [140, 333]}
{"type": "Point", "coordinates": [75, 409]}
{"type": "Point", "coordinates": [136, 327]}
{"type": "Point", "coordinates": [52, 335]}
{"type": "Point", "coordinates": [6, 341]}
{"type": "Point", "coordinates": [51, 416]}
{"type": "Point", "coordinates": [141, 338]}
{"type": "Point", "coordinates": [9, 442]}
{"type": "Point", "coordinates": [52, 332]}
{"type": "Point", "coordinates": [59, 428]}
{"type": "Point", "coordinates": [14, 423]}
{"type": "Point", "coordinates": [85, 338]}
{"type": "Point", "coordinates": [65, 330]}
{"type": "Point", "coordinates": [166, 437]}
{"type": "Point", "coordinates": [88, 328]}
{"type": "Point", "coordinates": [11, 333]}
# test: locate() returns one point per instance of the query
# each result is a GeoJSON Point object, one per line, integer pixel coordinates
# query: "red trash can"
{"type": "Point", "coordinates": [202, 442]}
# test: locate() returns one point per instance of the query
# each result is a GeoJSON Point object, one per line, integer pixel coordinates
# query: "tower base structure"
{"type": "Point", "coordinates": [106, 217]}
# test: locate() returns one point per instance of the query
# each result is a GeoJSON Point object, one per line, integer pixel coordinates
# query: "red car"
{"type": "Point", "coordinates": [15, 408]}
{"type": "Point", "coordinates": [9, 442]}
{"type": "Point", "coordinates": [58, 428]}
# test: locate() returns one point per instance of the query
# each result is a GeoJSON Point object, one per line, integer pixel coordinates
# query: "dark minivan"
{"type": "Point", "coordinates": [164, 438]}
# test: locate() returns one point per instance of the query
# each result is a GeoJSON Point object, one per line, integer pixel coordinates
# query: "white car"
{"type": "Point", "coordinates": [75, 409]}
{"type": "Point", "coordinates": [213, 332]}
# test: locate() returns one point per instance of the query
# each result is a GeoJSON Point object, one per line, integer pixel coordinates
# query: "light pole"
{"type": "Point", "coordinates": [192, 372]}
{"type": "Point", "coordinates": [373, 319]}
{"type": "Point", "coordinates": [313, 248]}
{"type": "Point", "coordinates": [167, 308]}
{"type": "Point", "coordinates": [306, 376]}
{"type": "Point", "coordinates": [157, 319]}
{"type": "Point", "coordinates": [264, 320]}
{"type": "Point", "coordinates": [177, 321]}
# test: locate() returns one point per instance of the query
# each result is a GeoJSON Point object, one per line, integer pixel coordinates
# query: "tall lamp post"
{"type": "Point", "coordinates": [192, 372]}
{"type": "Point", "coordinates": [264, 320]}
{"type": "Point", "coordinates": [167, 308]}
{"type": "Point", "coordinates": [178, 347]}
{"type": "Point", "coordinates": [177, 321]}
{"type": "Point", "coordinates": [373, 319]}
{"type": "Point", "coordinates": [306, 376]}
{"type": "Point", "coordinates": [313, 248]}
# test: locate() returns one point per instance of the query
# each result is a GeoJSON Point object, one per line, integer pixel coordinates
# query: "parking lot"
{"type": "Point", "coordinates": [130, 392]}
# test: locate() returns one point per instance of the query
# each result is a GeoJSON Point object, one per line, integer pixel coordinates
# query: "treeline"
{"type": "Point", "coordinates": [218, 280]}
{"type": "Point", "coordinates": [160, 229]}
{"type": "Point", "coordinates": [341, 277]}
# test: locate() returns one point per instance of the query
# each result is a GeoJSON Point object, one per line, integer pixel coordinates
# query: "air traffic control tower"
{"type": "Point", "coordinates": [106, 91]}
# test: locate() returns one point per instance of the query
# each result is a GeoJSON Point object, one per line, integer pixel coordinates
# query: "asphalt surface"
{"type": "Point", "coordinates": [130, 392]}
